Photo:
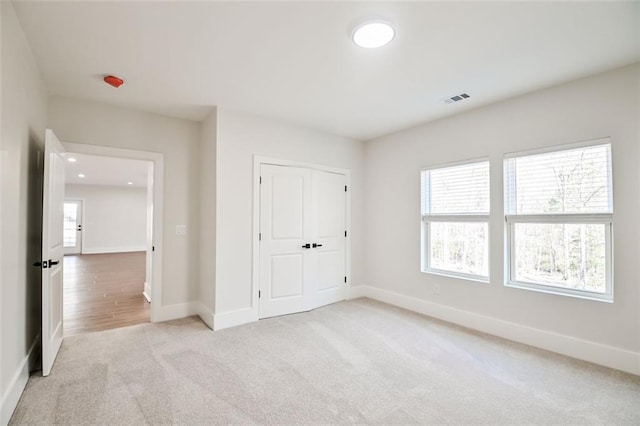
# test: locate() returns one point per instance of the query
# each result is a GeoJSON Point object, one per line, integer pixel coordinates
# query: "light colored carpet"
{"type": "Point", "coordinates": [353, 362]}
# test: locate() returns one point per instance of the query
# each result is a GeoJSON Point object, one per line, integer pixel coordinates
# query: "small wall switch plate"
{"type": "Point", "coordinates": [181, 229]}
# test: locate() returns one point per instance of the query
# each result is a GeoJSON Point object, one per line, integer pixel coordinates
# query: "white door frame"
{"type": "Point", "coordinates": [155, 256]}
{"type": "Point", "coordinates": [255, 270]}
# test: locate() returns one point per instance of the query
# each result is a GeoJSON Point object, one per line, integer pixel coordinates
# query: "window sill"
{"type": "Point", "coordinates": [448, 274]}
{"type": "Point", "coordinates": [577, 294]}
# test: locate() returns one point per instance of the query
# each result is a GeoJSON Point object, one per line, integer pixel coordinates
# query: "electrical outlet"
{"type": "Point", "coordinates": [181, 229]}
{"type": "Point", "coordinates": [436, 288]}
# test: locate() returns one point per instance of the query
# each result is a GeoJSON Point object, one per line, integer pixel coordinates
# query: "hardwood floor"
{"type": "Point", "coordinates": [104, 291]}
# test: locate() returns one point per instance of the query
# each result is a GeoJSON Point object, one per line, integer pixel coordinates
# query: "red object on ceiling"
{"type": "Point", "coordinates": [114, 81]}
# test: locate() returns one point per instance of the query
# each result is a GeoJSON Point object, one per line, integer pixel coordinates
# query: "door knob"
{"type": "Point", "coordinates": [316, 245]}
{"type": "Point", "coordinates": [53, 262]}
{"type": "Point", "coordinates": [306, 246]}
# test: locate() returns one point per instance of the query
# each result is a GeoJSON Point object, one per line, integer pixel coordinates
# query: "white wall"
{"type": "Point", "coordinates": [208, 137]}
{"type": "Point", "coordinates": [599, 106]}
{"type": "Point", "coordinates": [240, 137]}
{"type": "Point", "coordinates": [24, 102]}
{"type": "Point", "coordinates": [99, 124]}
{"type": "Point", "coordinates": [114, 217]}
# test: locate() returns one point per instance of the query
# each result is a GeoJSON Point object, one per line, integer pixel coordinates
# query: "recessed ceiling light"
{"type": "Point", "coordinates": [373, 34]}
{"type": "Point", "coordinates": [129, 183]}
{"type": "Point", "coordinates": [81, 175]}
{"type": "Point", "coordinates": [72, 159]}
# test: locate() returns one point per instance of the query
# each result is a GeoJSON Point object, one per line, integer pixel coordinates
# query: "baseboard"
{"type": "Point", "coordinates": [18, 382]}
{"type": "Point", "coordinates": [231, 319]}
{"type": "Point", "coordinates": [246, 315]}
{"type": "Point", "coordinates": [175, 311]}
{"type": "Point", "coordinates": [596, 353]}
{"type": "Point", "coordinates": [354, 292]}
{"type": "Point", "coordinates": [147, 292]}
{"type": "Point", "coordinates": [183, 310]}
{"type": "Point", "coordinates": [205, 314]}
{"type": "Point", "coordinates": [103, 250]}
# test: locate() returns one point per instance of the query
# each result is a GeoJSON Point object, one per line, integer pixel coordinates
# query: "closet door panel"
{"type": "Point", "coordinates": [285, 227]}
{"type": "Point", "coordinates": [329, 217]}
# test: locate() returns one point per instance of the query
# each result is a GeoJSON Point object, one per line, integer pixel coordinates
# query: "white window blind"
{"type": "Point", "coordinates": [559, 214]}
{"type": "Point", "coordinates": [456, 190]}
{"type": "Point", "coordinates": [455, 213]}
{"type": "Point", "coordinates": [563, 182]}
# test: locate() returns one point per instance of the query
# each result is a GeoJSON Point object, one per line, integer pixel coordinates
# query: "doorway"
{"type": "Point", "coordinates": [303, 245]}
{"type": "Point", "coordinates": [56, 155]}
{"type": "Point", "coordinates": [105, 233]}
{"type": "Point", "coordinates": [153, 246]}
{"type": "Point", "coordinates": [154, 232]}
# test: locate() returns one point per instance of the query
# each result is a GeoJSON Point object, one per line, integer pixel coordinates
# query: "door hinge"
{"type": "Point", "coordinates": [345, 279]}
{"type": "Point", "coordinates": [345, 233]}
{"type": "Point", "coordinates": [259, 294]}
{"type": "Point", "coordinates": [261, 180]}
{"type": "Point", "coordinates": [345, 188]}
{"type": "Point", "coordinates": [153, 248]}
{"type": "Point", "coordinates": [260, 236]}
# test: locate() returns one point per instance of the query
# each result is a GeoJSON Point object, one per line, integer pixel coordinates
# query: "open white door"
{"type": "Point", "coordinates": [52, 250]}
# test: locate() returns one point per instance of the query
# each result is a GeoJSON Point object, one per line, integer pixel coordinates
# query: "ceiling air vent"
{"type": "Point", "coordinates": [456, 98]}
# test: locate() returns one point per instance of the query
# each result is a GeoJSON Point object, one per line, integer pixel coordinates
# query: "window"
{"type": "Point", "coordinates": [559, 216]}
{"type": "Point", "coordinates": [455, 220]}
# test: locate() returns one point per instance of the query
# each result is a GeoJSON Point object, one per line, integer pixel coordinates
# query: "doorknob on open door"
{"type": "Point", "coordinates": [53, 262]}
{"type": "Point", "coordinates": [306, 246]}
{"type": "Point", "coordinates": [316, 245]}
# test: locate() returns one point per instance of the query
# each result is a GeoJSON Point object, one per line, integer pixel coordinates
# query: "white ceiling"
{"type": "Point", "coordinates": [106, 171]}
{"type": "Point", "coordinates": [295, 62]}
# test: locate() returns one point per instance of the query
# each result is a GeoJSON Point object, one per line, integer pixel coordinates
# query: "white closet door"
{"type": "Point", "coordinates": [285, 226]}
{"type": "Point", "coordinates": [303, 243]}
{"type": "Point", "coordinates": [329, 225]}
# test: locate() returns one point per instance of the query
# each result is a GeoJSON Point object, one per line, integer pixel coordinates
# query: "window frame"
{"type": "Point", "coordinates": [427, 219]}
{"type": "Point", "coordinates": [511, 219]}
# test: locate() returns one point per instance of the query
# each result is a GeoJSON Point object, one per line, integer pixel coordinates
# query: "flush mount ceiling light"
{"type": "Point", "coordinates": [129, 183]}
{"type": "Point", "coordinates": [81, 175]}
{"type": "Point", "coordinates": [71, 160]}
{"type": "Point", "coordinates": [372, 34]}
